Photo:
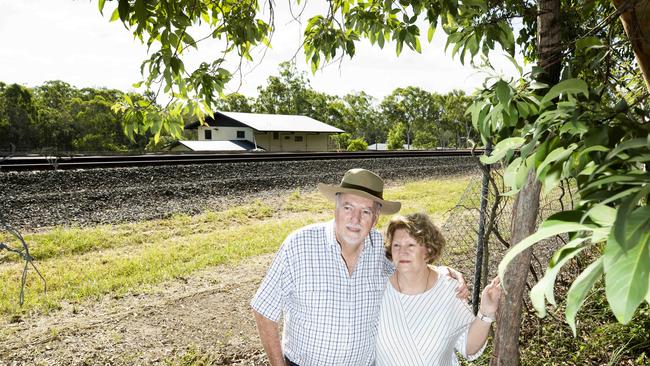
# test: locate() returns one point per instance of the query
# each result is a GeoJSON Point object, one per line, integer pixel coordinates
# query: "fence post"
{"type": "Point", "coordinates": [485, 190]}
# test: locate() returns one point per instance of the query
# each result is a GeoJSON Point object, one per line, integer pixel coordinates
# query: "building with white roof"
{"type": "Point", "coordinates": [271, 132]}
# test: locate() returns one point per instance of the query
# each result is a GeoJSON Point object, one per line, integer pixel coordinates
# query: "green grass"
{"type": "Point", "coordinates": [86, 263]}
{"type": "Point", "coordinates": [192, 357]}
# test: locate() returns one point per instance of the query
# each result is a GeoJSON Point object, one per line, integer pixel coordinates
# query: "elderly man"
{"type": "Point", "coordinates": [328, 280]}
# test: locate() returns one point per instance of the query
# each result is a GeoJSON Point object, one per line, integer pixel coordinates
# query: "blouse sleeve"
{"type": "Point", "coordinates": [466, 317]}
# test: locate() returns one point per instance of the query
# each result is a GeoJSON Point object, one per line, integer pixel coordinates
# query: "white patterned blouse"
{"type": "Point", "coordinates": [424, 329]}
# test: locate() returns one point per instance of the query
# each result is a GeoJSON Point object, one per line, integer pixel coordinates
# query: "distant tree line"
{"type": "Point", "coordinates": [57, 116]}
{"type": "Point", "coordinates": [408, 116]}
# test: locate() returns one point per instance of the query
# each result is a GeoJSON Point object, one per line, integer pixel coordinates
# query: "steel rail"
{"type": "Point", "coordinates": [34, 163]}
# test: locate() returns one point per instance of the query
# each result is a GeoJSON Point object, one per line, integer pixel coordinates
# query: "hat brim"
{"type": "Point", "coordinates": [387, 207]}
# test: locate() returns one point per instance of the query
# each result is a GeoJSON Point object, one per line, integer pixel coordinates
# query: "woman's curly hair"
{"type": "Point", "coordinates": [422, 229]}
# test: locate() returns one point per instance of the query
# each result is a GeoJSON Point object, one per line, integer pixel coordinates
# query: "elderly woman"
{"type": "Point", "coordinates": [421, 321]}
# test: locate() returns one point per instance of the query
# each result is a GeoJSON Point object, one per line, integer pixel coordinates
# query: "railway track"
{"type": "Point", "coordinates": [36, 163]}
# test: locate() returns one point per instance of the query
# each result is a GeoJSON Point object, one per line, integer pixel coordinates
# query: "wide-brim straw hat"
{"type": "Point", "coordinates": [364, 183]}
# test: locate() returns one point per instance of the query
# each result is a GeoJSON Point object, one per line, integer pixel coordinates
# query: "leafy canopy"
{"type": "Point", "coordinates": [591, 128]}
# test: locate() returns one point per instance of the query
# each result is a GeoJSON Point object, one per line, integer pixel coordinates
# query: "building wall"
{"type": "Point", "coordinates": [293, 142]}
{"type": "Point", "coordinates": [275, 143]}
{"type": "Point", "coordinates": [287, 141]}
{"type": "Point", "coordinates": [317, 142]}
{"type": "Point", "coordinates": [225, 133]}
{"type": "Point", "coordinates": [270, 141]}
{"type": "Point", "coordinates": [262, 140]}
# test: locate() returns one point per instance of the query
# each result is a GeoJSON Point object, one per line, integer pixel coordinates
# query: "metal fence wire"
{"type": "Point", "coordinates": [485, 213]}
{"type": "Point", "coordinates": [23, 250]}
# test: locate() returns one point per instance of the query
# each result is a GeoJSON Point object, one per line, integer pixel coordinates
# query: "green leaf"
{"type": "Point", "coordinates": [418, 46]}
{"type": "Point", "coordinates": [502, 148]}
{"type": "Point", "coordinates": [123, 9]}
{"type": "Point", "coordinates": [544, 288]}
{"type": "Point", "coordinates": [566, 87]}
{"type": "Point", "coordinates": [535, 85]}
{"type": "Point", "coordinates": [575, 128]}
{"type": "Point", "coordinates": [510, 174]}
{"type": "Point", "coordinates": [315, 60]}
{"type": "Point", "coordinates": [620, 195]}
{"type": "Point", "coordinates": [626, 145]}
{"type": "Point", "coordinates": [627, 276]}
{"type": "Point", "coordinates": [503, 92]}
{"type": "Point", "coordinates": [522, 172]}
{"type": "Point", "coordinates": [432, 31]}
{"type": "Point", "coordinates": [559, 154]}
{"type": "Point", "coordinates": [559, 223]}
{"type": "Point", "coordinates": [472, 45]}
{"type": "Point", "coordinates": [640, 158]}
{"type": "Point", "coordinates": [588, 169]}
{"type": "Point", "coordinates": [453, 38]}
{"type": "Point", "coordinates": [115, 16]}
{"type": "Point", "coordinates": [478, 111]}
{"type": "Point", "coordinates": [524, 111]}
{"type": "Point", "coordinates": [484, 123]}
{"type": "Point", "coordinates": [100, 5]}
{"type": "Point", "coordinates": [638, 222]}
{"type": "Point", "coordinates": [631, 221]}
{"type": "Point", "coordinates": [588, 43]}
{"type": "Point", "coordinates": [598, 148]}
{"type": "Point", "coordinates": [618, 179]}
{"type": "Point", "coordinates": [140, 10]}
{"type": "Point", "coordinates": [579, 290]}
{"type": "Point", "coordinates": [551, 178]}
{"type": "Point", "coordinates": [513, 115]}
{"type": "Point", "coordinates": [568, 251]}
{"type": "Point", "coordinates": [602, 215]}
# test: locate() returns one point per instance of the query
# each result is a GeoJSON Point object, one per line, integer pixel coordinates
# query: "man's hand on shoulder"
{"type": "Point", "coordinates": [462, 292]}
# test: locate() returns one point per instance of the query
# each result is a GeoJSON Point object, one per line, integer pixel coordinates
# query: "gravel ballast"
{"type": "Point", "coordinates": [92, 196]}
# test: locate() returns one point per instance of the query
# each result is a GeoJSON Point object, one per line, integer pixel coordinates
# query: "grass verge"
{"type": "Point", "coordinates": [85, 263]}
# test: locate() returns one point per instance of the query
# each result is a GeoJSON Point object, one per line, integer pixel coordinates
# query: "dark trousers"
{"type": "Point", "coordinates": [289, 362]}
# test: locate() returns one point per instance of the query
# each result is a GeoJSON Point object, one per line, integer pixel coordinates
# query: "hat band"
{"type": "Point", "coordinates": [377, 194]}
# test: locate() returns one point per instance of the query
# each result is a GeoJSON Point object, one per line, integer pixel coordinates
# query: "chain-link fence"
{"type": "Point", "coordinates": [485, 213]}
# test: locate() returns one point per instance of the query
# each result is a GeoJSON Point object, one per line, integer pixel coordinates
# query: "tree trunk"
{"type": "Point", "coordinates": [524, 219]}
{"type": "Point", "coordinates": [526, 206]}
{"type": "Point", "coordinates": [548, 41]}
{"type": "Point", "coordinates": [634, 16]}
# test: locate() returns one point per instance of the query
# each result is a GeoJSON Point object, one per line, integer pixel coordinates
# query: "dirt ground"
{"type": "Point", "coordinates": [205, 318]}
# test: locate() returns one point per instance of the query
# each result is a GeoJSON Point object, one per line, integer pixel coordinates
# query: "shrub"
{"type": "Point", "coordinates": [357, 145]}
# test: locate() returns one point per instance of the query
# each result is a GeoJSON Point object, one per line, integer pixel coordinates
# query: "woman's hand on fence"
{"type": "Point", "coordinates": [490, 298]}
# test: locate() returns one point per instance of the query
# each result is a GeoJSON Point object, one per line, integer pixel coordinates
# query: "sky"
{"type": "Point", "coordinates": [70, 40]}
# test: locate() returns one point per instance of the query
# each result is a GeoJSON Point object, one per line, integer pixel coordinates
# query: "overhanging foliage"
{"type": "Point", "coordinates": [591, 128]}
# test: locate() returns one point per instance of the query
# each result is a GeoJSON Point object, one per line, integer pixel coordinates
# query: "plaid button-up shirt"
{"type": "Point", "coordinates": [330, 317]}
